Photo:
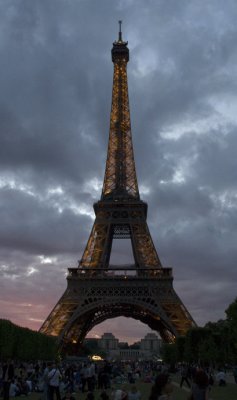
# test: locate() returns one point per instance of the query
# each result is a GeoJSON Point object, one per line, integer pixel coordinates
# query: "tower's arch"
{"type": "Point", "coordinates": [99, 311]}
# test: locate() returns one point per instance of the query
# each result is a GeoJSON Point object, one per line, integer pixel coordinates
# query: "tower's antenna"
{"type": "Point", "coordinates": [120, 31]}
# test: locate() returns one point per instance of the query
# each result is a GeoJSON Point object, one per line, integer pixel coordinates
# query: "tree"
{"type": "Point", "coordinates": [180, 348]}
{"type": "Point", "coordinates": [221, 333]}
{"type": "Point", "coordinates": [168, 352]}
{"type": "Point", "coordinates": [208, 350]}
{"type": "Point", "coordinates": [24, 344]}
{"type": "Point", "coordinates": [194, 338]}
{"type": "Point", "coordinates": [7, 339]}
{"type": "Point", "coordinates": [231, 314]}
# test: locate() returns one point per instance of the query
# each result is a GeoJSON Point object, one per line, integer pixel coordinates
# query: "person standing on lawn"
{"type": "Point", "coordinates": [184, 375]}
{"type": "Point", "coordinates": [200, 386]}
{"type": "Point", "coordinates": [7, 376]}
{"type": "Point", "coordinates": [235, 373]}
{"type": "Point", "coordinates": [54, 377]}
{"type": "Point", "coordinates": [162, 388]}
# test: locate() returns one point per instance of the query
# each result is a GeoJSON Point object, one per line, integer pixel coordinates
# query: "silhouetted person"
{"type": "Point", "coordinates": [7, 377]}
{"type": "Point", "coordinates": [162, 388]}
{"type": "Point", "coordinates": [184, 376]}
{"type": "Point", "coordinates": [200, 386]}
{"type": "Point", "coordinates": [54, 375]}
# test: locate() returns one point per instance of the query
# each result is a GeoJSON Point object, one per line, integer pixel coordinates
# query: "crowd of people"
{"type": "Point", "coordinates": [198, 380]}
{"type": "Point", "coordinates": [62, 382]}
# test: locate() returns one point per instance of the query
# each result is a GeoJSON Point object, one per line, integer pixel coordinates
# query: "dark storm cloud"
{"type": "Point", "coordinates": [28, 223]}
{"type": "Point", "coordinates": [55, 99]}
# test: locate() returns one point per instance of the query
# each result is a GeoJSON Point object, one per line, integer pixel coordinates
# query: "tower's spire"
{"type": "Point", "coordinates": [120, 174]}
{"type": "Point", "coordinates": [120, 31]}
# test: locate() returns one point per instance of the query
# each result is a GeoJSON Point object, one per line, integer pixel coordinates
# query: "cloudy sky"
{"type": "Point", "coordinates": [55, 98]}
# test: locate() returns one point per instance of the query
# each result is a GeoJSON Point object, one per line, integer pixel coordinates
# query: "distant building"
{"type": "Point", "coordinates": [147, 349]}
{"type": "Point", "coordinates": [150, 345]}
{"type": "Point", "coordinates": [108, 342]}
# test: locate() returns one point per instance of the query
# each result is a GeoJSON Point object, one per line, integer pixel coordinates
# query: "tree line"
{"type": "Point", "coordinates": [214, 344]}
{"type": "Point", "coordinates": [24, 344]}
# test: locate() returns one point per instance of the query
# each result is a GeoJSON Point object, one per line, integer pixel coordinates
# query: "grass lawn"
{"type": "Point", "coordinates": [224, 393]}
{"type": "Point", "coordinates": [217, 393]}
{"type": "Point", "coordinates": [229, 392]}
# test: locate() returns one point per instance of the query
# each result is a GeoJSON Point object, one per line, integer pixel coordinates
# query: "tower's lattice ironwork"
{"type": "Point", "coordinates": [97, 290]}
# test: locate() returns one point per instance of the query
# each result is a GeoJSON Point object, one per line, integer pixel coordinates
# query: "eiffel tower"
{"type": "Point", "coordinates": [97, 290]}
